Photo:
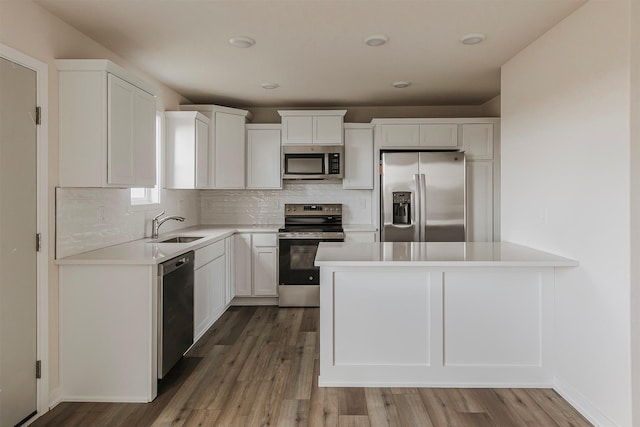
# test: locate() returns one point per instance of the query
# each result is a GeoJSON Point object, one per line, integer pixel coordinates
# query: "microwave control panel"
{"type": "Point", "coordinates": [334, 163]}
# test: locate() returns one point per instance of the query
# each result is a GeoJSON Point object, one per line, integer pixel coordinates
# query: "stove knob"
{"type": "Point", "coordinates": [310, 277]}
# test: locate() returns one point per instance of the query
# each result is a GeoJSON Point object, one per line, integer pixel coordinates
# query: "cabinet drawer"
{"type": "Point", "coordinates": [264, 239]}
{"type": "Point", "coordinates": [208, 254]}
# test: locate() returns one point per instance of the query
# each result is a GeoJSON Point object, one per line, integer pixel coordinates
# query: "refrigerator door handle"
{"type": "Point", "coordinates": [423, 208]}
{"type": "Point", "coordinates": [417, 212]}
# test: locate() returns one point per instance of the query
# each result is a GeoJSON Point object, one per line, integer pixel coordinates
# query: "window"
{"type": "Point", "coordinates": [148, 198]}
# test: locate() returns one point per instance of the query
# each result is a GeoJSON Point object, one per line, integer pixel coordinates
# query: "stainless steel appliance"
{"type": "Point", "coordinates": [175, 310]}
{"type": "Point", "coordinates": [312, 162]}
{"type": "Point", "coordinates": [422, 196]}
{"type": "Point", "coordinates": [305, 226]}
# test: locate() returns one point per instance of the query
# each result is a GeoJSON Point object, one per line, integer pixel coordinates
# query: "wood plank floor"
{"type": "Point", "coordinates": [258, 366]}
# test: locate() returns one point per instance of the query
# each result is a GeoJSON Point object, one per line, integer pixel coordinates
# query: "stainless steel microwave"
{"type": "Point", "coordinates": [312, 162]}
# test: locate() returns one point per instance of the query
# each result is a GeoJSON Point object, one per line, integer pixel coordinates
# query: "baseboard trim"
{"type": "Point", "coordinates": [582, 404]}
{"type": "Point", "coordinates": [239, 301]}
{"type": "Point", "coordinates": [55, 397]}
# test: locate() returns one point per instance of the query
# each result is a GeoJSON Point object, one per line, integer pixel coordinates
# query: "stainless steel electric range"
{"type": "Point", "coordinates": [305, 226]}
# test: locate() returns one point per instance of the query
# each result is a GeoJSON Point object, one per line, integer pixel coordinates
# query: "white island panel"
{"type": "Point", "coordinates": [494, 318]}
{"type": "Point", "coordinates": [376, 324]}
{"type": "Point", "coordinates": [436, 315]}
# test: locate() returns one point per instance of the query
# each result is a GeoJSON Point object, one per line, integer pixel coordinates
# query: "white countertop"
{"type": "Point", "coordinates": [436, 254]}
{"type": "Point", "coordinates": [149, 252]}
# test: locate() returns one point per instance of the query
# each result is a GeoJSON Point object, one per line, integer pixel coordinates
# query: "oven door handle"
{"type": "Point", "coordinates": [319, 236]}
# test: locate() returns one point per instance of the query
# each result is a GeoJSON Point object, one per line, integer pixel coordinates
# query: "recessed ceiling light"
{"type": "Point", "coordinates": [242, 42]}
{"type": "Point", "coordinates": [401, 85]}
{"type": "Point", "coordinates": [376, 39]}
{"type": "Point", "coordinates": [472, 38]}
{"type": "Point", "coordinates": [270, 85]}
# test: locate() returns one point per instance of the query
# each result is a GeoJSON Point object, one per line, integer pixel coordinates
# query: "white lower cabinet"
{"type": "Point", "coordinates": [210, 285]}
{"type": "Point", "coordinates": [359, 236]}
{"type": "Point", "coordinates": [256, 265]}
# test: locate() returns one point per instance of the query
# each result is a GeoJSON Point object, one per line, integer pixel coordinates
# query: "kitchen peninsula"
{"type": "Point", "coordinates": [408, 314]}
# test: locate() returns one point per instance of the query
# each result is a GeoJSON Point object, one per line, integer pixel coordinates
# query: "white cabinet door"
{"type": "Point", "coordinates": [218, 287]}
{"type": "Point", "coordinates": [265, 261]}
{"type": "Point", "coordinates": [358, 158]}
{"type": "Point", "coordinates": [327, 130]}
{"type": "Point", "coordinates": [131, 147]}
{"type": "Point", "coordinates": [120, 131]}
{"type": "Point", "coordinates": [477, 141]}
{"type": "Point", "coordinates": [242, 263]}
{"type": "Point", "coordinates": [263, 158]}
{"type": "Point", "coordinates": [228, 151]}
{"type": "Point", "coordinates": [265, 265]}
{"type": "Point", "coordinates": [297, 130]}
{"type": "Point", "coordinates": [202, 154]}
{"type": "Point", "coordinates": [144, 149]}
{"type": "Point", "coordinates": [202, 300]}
{"type": "Point", "coordinates": [312, 126]}
{"type": "Point", "coordinates": [480, 201]}
{"type": "Point", "coordinates": [399, 135]}
{"type": "Point", "coordinates": [439, 135]}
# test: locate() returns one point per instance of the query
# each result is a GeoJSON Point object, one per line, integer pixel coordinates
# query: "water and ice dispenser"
{"type": "Point", "coordinates": [402, 207]}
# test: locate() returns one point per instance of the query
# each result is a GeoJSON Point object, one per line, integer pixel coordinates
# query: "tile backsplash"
{"type": "Point", "coordinates": [94, 218]}
{"type": "Point", "coordinates": [267, 206]}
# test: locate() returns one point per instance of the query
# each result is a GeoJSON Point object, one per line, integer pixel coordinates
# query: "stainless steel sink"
{"type": "Point", "coordinates": [181, 239]}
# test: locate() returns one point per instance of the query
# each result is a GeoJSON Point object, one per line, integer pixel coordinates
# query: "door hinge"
{"type": "Point", "coordinates": [38, 242]}
{"type": "Point", "coordinates": [38, 115]}
{"type": "Point", "coordinates": [38, 369]}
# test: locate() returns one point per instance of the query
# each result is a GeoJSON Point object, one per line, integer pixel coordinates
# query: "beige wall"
{"type": "Point", "coordinates": [359, 114]}
{"type": "Point", "coordinates": [635, 210]}
{"type": "Point", "coordinates": [28, 28]}
{"type": "Point", "coordinates": [568, 188]}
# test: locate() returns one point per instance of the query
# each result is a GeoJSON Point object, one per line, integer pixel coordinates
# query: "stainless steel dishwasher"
{"type": "Point", "coordinates": [175, 310]}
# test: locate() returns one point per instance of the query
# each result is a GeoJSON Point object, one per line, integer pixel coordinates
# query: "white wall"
{"type": "Point", "coordinates": [566, 189]}
{"type": "Point", "coordinates": [635, 208]}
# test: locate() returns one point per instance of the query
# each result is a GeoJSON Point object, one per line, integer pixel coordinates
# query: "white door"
{"type": "Point", "coordinates": [18, 204]}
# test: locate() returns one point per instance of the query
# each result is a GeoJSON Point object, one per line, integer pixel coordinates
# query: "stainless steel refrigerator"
{"type": "Point", "coordinates": [422, 196]}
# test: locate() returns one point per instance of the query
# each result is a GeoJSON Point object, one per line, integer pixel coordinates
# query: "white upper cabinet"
{"type": "Point", "coordinates": [477, 140]}
{"type": "Point", "coordinates": [438, 135]}
{"type": "Point", "coordinates": [226, 145]}
{"type": "Point", "coordinates": [186, 150]}
{"type": "Point", "coordinates": [107, 126]}
{"type": "Point", "coordinates": [425, 135]}
{"type": "Point", "coordinates": [399, 135]}
{"type": "Point", "coordinates": [358, 156]}
{"type": "Point", "coordinates": [263, 156]}
{"type": "Point", "coordinates": [312, 126]}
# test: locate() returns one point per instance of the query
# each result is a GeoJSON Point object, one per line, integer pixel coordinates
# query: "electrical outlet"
{"type": "Point", "coordinates": [101, 219]}
{"type": "Point", "coordinates": [543, 216]}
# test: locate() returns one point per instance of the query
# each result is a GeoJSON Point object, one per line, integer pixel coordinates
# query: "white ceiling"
{"type": "Point", "coordinates": [314, 49]}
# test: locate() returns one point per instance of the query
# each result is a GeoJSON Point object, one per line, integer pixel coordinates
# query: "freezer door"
{"type": "Point", "coordinates": [443, 184]}
{"type": "Point", "coordinates": [399, 217]}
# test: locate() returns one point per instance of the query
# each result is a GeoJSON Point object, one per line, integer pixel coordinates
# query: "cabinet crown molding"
{"type": "Point", "coordinates": [106, 66]}
{"type": "Point", "coordinates": [285, 113]}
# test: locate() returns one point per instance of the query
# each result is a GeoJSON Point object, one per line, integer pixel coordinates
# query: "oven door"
{"type": "Point", "coordinates": [296, 259]}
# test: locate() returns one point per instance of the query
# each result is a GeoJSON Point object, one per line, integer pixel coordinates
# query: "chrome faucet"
{"type": "Point", "coordinates": [156, 222]}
